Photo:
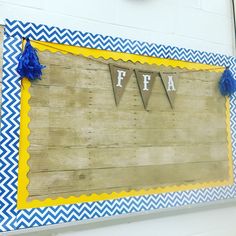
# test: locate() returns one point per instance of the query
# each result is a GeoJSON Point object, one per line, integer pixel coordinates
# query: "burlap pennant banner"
{"type": "Point", "coordinates": [120, 77]}
{"type": "Point", "coordinates": [170, 83]}
{"type": "Point", "coordinates": [145, 80]}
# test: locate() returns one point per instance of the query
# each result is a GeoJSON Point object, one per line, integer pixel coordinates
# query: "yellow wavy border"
{"type": "Point", "coordinates": [98, 53]}
{"type": "Point", "coordinates": [24, 156]}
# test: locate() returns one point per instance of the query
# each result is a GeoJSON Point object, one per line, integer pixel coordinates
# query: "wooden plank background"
{"type": "Point", "coordinates": [81, 143]}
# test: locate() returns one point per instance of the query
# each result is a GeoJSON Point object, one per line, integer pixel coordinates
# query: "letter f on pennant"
{"type": "Point", "coordinates": [119, 77]}
{"type": "Point", "coordinates": [145, 80]}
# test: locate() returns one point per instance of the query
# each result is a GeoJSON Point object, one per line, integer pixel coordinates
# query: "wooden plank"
{"type": "Point", "coordinates": [137, 177]}
{"type": "Point", "coordinates": [130, 102]}
{"type": "Point", "coordinates": [75, 158]}
{"type": "Point", "coordinates": [84, 78]}
{"type": "Point", "coordinates": [125, 137]}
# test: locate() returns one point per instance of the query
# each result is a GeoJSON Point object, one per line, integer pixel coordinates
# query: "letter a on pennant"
{"type": "Point", "coordinates": [119, 77]}
{"type": "Point", "coordinates": [169, 82]}
{"type": "Point", "coordinates": [145, 81]}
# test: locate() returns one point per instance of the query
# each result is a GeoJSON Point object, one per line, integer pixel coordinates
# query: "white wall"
{"type": "Point", "coordinates": [197, 24]}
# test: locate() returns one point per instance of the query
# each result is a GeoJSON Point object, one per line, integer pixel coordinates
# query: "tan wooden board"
{"type": "Point", "coordinates": [82, 143]}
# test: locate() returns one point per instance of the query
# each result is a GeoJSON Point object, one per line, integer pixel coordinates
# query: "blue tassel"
{"type": "Point", "coordinates": [29, 65]}
{"type": "Point", "coordinates": [227, 83]}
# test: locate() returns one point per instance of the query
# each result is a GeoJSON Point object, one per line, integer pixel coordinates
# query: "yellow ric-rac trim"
{"type": "Point", "coordinates": [97, 53]}
{"type": "Point", "coordinates": [24, 156]}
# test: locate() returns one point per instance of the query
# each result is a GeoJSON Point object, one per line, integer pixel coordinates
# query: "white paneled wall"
{"type": "Point", "coordinates": [198, 24]}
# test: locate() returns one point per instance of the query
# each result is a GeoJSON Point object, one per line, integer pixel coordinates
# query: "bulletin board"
{"type": "Point", "coordinates": [72, 149]}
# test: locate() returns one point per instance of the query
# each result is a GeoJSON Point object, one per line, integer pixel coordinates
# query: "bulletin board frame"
{"type": "Point", "coordinates": [12, 218]}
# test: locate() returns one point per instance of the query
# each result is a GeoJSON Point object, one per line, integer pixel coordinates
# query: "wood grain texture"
{"type": "Point", "coordinates": [81, 143]}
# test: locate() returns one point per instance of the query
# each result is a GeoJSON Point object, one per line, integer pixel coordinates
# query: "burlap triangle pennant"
{"type": "Point", "coordinates": [145, 81]}
{"type": "Point", "coordinates": [120, 77]}
{"type": "Point", "coordinates": [169, 81]}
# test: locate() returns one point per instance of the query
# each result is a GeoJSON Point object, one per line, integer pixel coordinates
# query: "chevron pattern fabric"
{"type": "Point", "coordinates": [9, 133]}
{"type": "Point", "coordinates": [13, 219]}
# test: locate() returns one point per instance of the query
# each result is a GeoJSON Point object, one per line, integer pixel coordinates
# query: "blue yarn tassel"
{"type": "Point", "coordinates": [227, 83]}
{"type": "Point", "coordinates": [29, 65]}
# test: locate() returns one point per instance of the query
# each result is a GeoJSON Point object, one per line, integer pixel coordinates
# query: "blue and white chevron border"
{"type": "Point", "coordinates": [9, 133]}
{"type": "Point", "coordinates": [13, 219]}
